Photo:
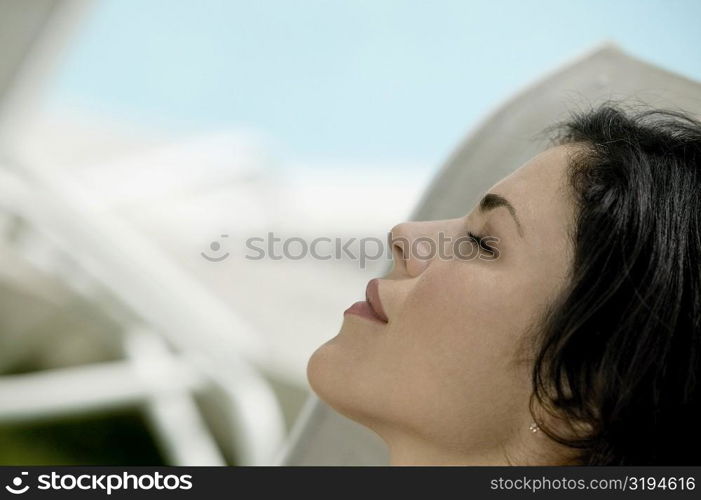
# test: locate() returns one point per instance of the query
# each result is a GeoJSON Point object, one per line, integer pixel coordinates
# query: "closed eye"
{"type": "Point", "coordinates": [481, 242]}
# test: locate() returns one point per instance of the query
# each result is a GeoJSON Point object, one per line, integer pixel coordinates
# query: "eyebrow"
{"type": "Point", "coordinates": [490, 201]}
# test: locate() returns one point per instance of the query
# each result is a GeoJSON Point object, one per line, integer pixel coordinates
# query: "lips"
{"type": "Point", "coordinates": [372, 296]}
{"type": "Point", "coordinates": [371, 307]}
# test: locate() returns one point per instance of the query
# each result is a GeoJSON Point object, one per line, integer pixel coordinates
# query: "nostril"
{"type": "Point", "coordinates": [400, 243]}
{"type": "Point", "coordinates": [400, 254]}
{"type": "Point", "coordinates": [400, 250]}
{"type": "Point", "coordinates": [401, 246]}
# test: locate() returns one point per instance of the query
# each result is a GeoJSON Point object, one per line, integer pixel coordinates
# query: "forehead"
{"type": "Point", "coordinates": [539, 191]}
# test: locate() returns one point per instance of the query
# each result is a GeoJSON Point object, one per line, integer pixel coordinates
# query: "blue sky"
{"type": "Point", "coordinates": [357, 80]}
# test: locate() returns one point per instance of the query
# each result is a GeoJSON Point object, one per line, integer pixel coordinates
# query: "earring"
{"type": "Point", "coordinates": [533, 427]}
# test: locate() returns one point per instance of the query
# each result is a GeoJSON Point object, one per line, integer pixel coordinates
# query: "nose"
{"type": "Point", "coordinates": [414, 246]}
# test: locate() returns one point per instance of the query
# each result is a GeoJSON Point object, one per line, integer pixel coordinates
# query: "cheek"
{"type": "Point", "coordinates": [457, 336]}
{"type": "Point", "coordinates": [463, 309]}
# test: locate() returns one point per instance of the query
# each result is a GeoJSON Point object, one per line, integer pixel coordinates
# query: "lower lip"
{"type": "Point", "coordinates": [364, 310]}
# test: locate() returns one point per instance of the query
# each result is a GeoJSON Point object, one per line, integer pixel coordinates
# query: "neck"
{"type": "Point", "coordinates": [414, 452]}
{"type": "Point", "coordinates": [525, 449]}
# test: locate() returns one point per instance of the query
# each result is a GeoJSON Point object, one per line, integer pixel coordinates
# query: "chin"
{"type": "Point", "coordinates": [323, 371]}
{"type": "Point", "coordinates": [333, 374]}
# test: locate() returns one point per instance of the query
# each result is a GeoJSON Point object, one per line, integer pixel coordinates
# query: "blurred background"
{"type": "Point", "coordinates": [142, 143]}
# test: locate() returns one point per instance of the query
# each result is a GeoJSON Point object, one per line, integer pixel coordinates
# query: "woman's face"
{"type": "Point", "coordinates": [448, 372]}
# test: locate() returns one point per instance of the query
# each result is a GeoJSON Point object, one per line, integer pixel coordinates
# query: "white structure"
{"type": "Point", "coordinates": [177, 338]}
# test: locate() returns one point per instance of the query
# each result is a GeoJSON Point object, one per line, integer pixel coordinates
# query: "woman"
{"type": "Point", "coordinates": [569, 332]}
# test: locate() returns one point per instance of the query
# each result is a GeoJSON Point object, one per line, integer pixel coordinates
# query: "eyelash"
{"type": "Point", "coordinates": [479, 240]}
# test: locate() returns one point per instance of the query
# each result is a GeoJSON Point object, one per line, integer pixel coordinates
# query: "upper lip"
{"type": "Point", "coordinates": [372, 296]}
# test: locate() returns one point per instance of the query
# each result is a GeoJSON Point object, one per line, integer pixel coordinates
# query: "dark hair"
{"type": "Point", "coordinates": [620, 352]}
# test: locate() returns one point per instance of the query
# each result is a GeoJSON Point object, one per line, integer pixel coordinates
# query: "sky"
{"type": "Point", "coordinates": [366, 81]}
